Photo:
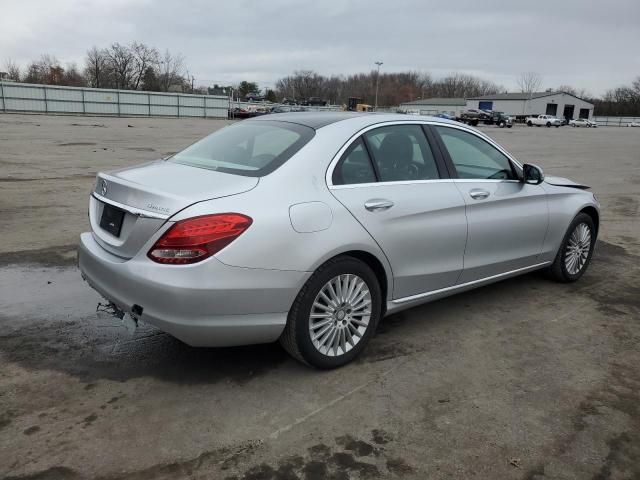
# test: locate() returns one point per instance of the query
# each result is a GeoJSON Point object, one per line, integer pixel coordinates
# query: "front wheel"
{"type": "Point", "coordinates": [501, 124]}
{"type": "Point", "coordinates": [334, 315]}
{"type": "Point", "coordinates": [529, 123]}
{"type": "Point", "coordinates": [548, 124]}
{"type": "Point", "coordinates": [576, 250]}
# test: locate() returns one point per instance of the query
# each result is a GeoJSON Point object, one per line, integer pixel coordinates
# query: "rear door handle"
{"type": "Point", "coordinates": [378, 204]}
{"type": "Point", "coordinates": [478, 194]}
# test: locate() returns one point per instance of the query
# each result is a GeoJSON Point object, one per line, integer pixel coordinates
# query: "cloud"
{"type": "Point", "coordinates": [591, 45]}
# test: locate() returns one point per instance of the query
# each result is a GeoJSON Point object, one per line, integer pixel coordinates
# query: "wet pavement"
{"type": "Point", "coordinates": [524, 379]}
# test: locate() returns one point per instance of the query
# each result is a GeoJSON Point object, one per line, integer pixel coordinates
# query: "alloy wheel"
{"type": "Point", "coordinates": [578, 248]}
{"type": "Point", "coordinates": [340, 315]}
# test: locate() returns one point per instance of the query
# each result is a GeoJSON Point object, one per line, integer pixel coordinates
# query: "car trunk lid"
{"type": "Point", "coordinates": [128, 206]}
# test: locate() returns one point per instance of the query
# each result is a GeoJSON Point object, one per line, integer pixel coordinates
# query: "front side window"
{"type": "Point", "coordinates": [247, 148]}
{"type": "Point", "coordinates": [473, 157]}
{"type": "Point", "coordinates": [401, 152]}
{"type": "Point", "coordinates": [354, 166]}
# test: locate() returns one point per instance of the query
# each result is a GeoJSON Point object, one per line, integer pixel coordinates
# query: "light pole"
{"type": "Point", "coordinates": [377, 81]}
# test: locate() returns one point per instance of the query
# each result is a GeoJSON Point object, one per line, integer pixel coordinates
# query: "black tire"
{"type": "Point", "coordinates": [558, 269]}
{"type": "Point", "coordinates": [501, 124]}
{"type": "Point", "coordinates": [296, 338]}
{"type": "Point", "coordinates": [548, 124]}
{"type": "Point", "coordinates": [509, 126]}
{"type": "Point", "coordinates": [529, 123]}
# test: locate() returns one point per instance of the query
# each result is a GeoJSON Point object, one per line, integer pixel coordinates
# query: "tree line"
{"type": "Point", "coordinates": [137, 66]}
{"type": "Point", "coordinates": [393, 88]}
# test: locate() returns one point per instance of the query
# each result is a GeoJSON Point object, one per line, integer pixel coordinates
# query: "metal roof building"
{"type": "Point", "coordinates": [559, 104]}
{"type": "Point", "coordinates": [433, 106]}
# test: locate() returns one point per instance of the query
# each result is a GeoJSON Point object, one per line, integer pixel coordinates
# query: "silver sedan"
{"type": "Point", "coordinates": [309, 228]}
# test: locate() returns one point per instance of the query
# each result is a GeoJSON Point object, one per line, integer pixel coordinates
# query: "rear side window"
{"type": "Point", "coordinates": [354, 166]}
{"type": "Point", "coordinates": [247, 148]}
{"type": "Point", "coordinates": [473, 157]}
{"type": "Point", "coordinates": [401, 152]}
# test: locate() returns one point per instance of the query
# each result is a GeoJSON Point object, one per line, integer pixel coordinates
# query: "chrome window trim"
{"type": "Point", "coordinates": [336, 158]}
{"type": "Point", "coordinates": [132, 210]}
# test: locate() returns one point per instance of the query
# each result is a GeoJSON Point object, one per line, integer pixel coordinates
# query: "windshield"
{"type": "Point", "coordinates": [247, 148]}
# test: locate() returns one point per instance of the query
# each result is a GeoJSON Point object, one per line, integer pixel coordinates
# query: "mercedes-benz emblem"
{"type": "Point", "coordinates": [103, 187]}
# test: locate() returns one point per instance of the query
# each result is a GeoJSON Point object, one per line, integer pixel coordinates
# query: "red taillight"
{"type": "Point", "coordinates": [194, 239]}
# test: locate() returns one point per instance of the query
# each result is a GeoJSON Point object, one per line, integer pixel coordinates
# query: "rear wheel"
{"type": "Point", "coordinates": [334, 315]}
{"type": "Point", "coordinates": [576, 250]}
{"type": "Point", "coordinates": [530, 123]}
{"type": "Point", "coordinates": [548, 124]}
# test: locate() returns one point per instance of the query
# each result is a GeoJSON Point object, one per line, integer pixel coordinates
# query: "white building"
{"type": "Point", "coordinates": [433, 106]}
{"type": "Point", "coordinates": [559, 104]}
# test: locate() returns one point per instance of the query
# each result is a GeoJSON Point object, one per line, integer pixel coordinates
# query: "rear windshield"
{"type": "Point", "coordinates": [249, 148]}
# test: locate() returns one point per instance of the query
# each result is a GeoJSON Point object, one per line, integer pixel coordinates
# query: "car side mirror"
{"type": "Point", "coordinates": [532, 174]}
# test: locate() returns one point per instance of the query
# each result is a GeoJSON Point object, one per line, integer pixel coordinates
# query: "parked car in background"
{"type": "Point", "coordinates": [446, 116]}
{"type": "Point", "coordinates": [583, 122]}
{"type": "Point", "coordinates": [316, 102]}
{"type": "Point", "coordinates": [633, 124]}
{"type": "Point", "coordinates": [289, 101]}
{"type": "Point", "coordinates": [310, 228]}
{"type": "Point", "coordinates": [546, 120]}
{"type": "Point", "coordinates": [254, 97]}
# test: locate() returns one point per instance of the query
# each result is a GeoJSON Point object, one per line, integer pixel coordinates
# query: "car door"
{"type": "Point", "coordinates": [507, 218]}
{"type": "Point", "coordinates": [392, 182]}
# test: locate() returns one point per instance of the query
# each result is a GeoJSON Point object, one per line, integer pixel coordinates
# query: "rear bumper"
{"type": "Point", "coordinates": [205, 304]}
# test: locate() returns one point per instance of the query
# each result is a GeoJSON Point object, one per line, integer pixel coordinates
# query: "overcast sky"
{"type": "Point", "coordinates": [592, 44]}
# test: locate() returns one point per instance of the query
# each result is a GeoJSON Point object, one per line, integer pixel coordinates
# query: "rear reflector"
{"type": "Point", "coordinates": [194, 239]}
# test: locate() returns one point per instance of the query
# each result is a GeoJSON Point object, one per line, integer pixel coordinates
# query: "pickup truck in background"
{"type": "Point", "coordinates": [540, 120]}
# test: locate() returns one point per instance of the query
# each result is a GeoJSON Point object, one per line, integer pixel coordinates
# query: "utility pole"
{"type": "Point", "coordinates": [379, 64]}
{"type": "Point", "coordinates": [192, 82]}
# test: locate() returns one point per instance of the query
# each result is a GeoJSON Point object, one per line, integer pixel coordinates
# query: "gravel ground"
{"type": "Point", "coordinates": [524, 379]}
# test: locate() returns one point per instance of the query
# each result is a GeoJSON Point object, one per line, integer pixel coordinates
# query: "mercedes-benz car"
{"type": "Point", "coordinates": [583, 122]}
{"type": "Point", "coordinates": [309, 228]}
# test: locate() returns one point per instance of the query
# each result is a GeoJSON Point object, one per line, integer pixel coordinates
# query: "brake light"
{"type": "Point", "coordinates": [197, 238]}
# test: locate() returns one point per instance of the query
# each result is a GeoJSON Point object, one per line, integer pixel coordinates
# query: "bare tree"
{"type": "Point", "coordinates": [143, 58]}
{"type": "Point", "coordinates": [96, 69]}
{"type": "Point", "coordinates": [170, 67]}
{"type": "Point", "coordinates": [122, 63]}
{"type": "Point", "coordinates": [529, 82]}
{"type": "Point", "coordinates": [13, 70]}
{"type": "Point", "coordinates": [581, 93]}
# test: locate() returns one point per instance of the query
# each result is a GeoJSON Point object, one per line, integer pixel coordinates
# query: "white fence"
{"type": "Point", "coordinates": [616, 121]}
{"type": "Point", "coordinates": [29, 98]}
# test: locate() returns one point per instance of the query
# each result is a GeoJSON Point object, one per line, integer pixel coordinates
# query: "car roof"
{"type": "Point", "coordinates": [318, 120]}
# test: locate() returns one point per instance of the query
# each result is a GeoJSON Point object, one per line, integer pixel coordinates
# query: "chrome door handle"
{"type": "Point", "coordinates": [378, 204]}
{"type": "Point", "coordinates": [478, 194]}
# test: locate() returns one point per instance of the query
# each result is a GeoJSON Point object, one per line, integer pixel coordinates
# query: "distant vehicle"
{"type": "Point", "coordinates": [445, 115]}
{"type": "Point", "coordinates": [352, 103]}
{"type": "Point", "coordinates": [316, 102]}
{"type": "Point", "coordinates": [540, 120]}
{"type": "Point", "coordinates": [633, 124]}
{"type": "Point", "coordinates": [473, 116]}
{"type": "Point", "coordinates": [281, 109]}
{"type": "Point", "coordinates": [289, 101]}
{"type": "Point", "coordinates": [583, 122]}
{"type": "Point", "coordinates": [501, 119]}
{"type": "Point", "coordinates": [254, 97]}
